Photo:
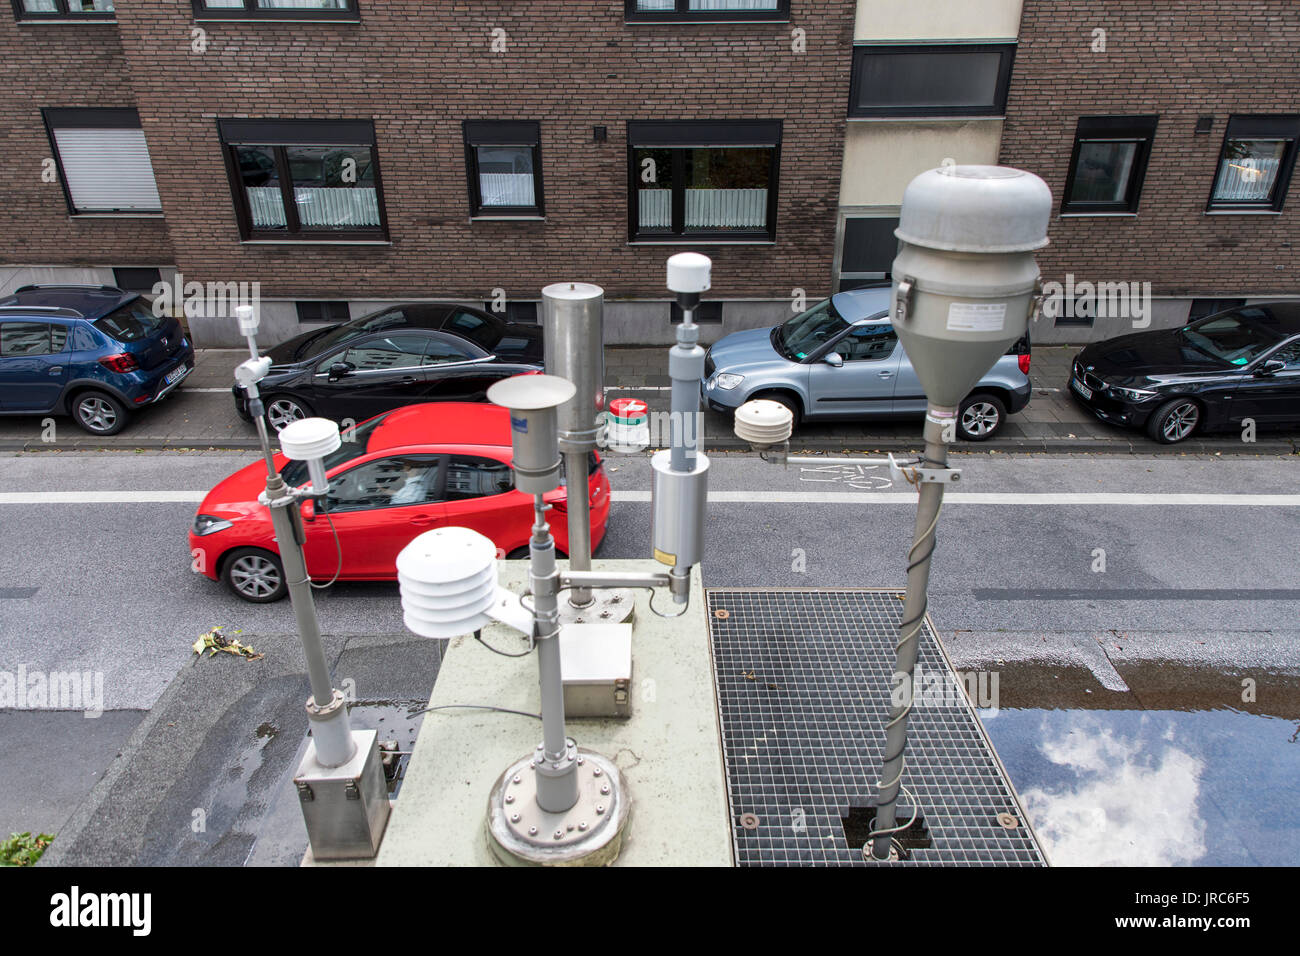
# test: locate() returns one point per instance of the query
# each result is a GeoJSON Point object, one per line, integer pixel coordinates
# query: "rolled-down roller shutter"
{"type": "Point", "coordinates": [106, 167]}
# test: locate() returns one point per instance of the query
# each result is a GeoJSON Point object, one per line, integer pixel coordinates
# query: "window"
{"type": "Point", "coordinates": [867, 256]}
{"type": "Point", "coordinates": [867, 343]}
{"type": "Point", "coordinates": [706, 313]}
{"type": "Point", "coordinates": [131, 323]}
{"type": "Point", "coordinates": [1109, 164]}
{"type": "Point", "coordinates": [103, 160]}
{"type": "Point", "coordinates": [305, 179]}
{"type": "Point", "coordinates": [131, 279]}
{"type": "Point", "coordinates": [393, 351]}
{"type": "Point", "coordinates": [64, 9]}
{"type": "Point", "coordinates": [706, 10]}
{"type": "Point", "coordinates": [332, 312]}
{"type": "Point", "coordinates": [471, 476]}
{"type": "Point", "coordinates": [703, 180]}
{"type": "Point", "coordinates": [1255, 164]}
{"type": "Point", "coordinates": [1203, 307]}
{"type": "Point", "coordinates": [31, 338]}
{"type": "Point", "coordinates": [966, 79]}
{"type": "Point", "coordinates": [525, 312]}
{"type": "Point", "coordinates": [1289, 354]}
{"type": "Point", "coordinates": [385, 483]}
{"type": "Point", "coordinates": [276, 9]}
{"type": "Point", "coordinates": [505, 168]}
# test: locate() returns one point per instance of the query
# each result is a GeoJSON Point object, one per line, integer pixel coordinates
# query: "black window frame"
{"type": "Point", "coordinates": [681, 13]}
{"type": "Point", "coordinates": [1258, 126]}
{"type": "Point", "coordinates": [1091, 129]}
{"type": "Point", "coordinates": [518, 133]}
{"type": "Point", "coordinates": [94, 117]}
{"type": "Point", "coordinates": [849, 279]}
{"type": "Point", "coordinates": [250, 11]}
{"type": "Point", "coordinates": [861, 51]}
{"type": "Point", "coordinates": [23, 15]}
{"type": "Point", "coordinates": [137, 278]}
{"type": "Point", "coordinates": [704, 313]}
{"type": "Point", "coordinates": [278, 135]}
{"type": "Point", "coordinates": [682, 135]}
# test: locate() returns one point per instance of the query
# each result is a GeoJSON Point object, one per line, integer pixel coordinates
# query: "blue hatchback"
{"type": "Point", "coordinates": [96, 353]}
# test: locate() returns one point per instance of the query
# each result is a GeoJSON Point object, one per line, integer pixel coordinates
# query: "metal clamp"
{"type": "Point", "coordinates": [903, 298]}
{"type": "Point", "coordinates": [914, 473]}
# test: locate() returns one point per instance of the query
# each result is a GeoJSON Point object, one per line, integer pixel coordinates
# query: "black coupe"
{"type": "Point", "coordinates": [1215, 374]}
{"type": "Point", "coordinates": [421, 352]}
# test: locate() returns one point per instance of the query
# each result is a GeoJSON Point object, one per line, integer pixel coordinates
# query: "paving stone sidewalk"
{"type": "Point", "coordinates": [201, 414]}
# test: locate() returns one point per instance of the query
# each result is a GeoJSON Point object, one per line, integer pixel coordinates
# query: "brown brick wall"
{"type": "Point", "coordinates": [1178, 59]}
{"type": "Point", "coordinates": [61, 65]}
{"type": "Point", "coordinates": [418, 69]}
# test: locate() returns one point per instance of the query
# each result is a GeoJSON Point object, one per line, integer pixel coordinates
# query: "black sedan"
{"type": "Point", "coordinates": [1214, 374]}
{"type": "Point", "coordinates": [423, 352]}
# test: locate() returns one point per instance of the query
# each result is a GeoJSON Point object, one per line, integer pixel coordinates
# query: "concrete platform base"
{"type": "Point", "coordinates": [669, 751]}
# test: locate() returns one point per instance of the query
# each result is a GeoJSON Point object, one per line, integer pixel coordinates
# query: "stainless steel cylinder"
{"type": "Point", "coordinates": [532, 401]}
{"type": "Point", "coordinates": [574, 347]}
{"type": "Point", "coordinates": [677, 511]}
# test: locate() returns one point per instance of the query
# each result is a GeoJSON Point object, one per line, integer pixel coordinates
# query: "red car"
{"type": "Point", "coordinates": [397, 475]}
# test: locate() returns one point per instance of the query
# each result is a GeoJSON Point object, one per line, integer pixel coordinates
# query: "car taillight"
{"type": "Point", "coordinates": [123, 362]}
{"type": "Point", "coordinates": [1024, 362]}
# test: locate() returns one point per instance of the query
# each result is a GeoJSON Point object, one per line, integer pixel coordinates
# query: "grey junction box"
{"type": "Point", "coordinates": [345, 808]}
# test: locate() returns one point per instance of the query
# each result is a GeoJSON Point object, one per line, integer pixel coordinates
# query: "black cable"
{"type": "Point", "coordinates": [478, 636]}
{"type": "Point", "coordinates": [500, 710]}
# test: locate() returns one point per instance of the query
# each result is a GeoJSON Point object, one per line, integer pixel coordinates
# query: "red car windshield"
{"type": "Point", "coordinates": [356, 442]}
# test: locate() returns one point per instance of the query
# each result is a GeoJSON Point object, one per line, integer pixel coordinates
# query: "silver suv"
{"type": "Point", "coordinates": [841, 359]}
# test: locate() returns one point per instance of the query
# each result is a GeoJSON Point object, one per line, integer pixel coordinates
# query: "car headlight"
{"type": "Point", "coordinates": [209, 524]}
{"type": "Point", "coordinates": [728, 380]}
{"type": "Point", "coordinates": [1132, 394]}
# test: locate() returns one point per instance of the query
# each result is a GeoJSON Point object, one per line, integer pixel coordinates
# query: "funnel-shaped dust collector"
{"type": "Point", "coordinates": [965, 278]}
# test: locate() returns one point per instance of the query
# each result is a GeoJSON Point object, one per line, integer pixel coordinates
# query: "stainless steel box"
{"type": "Point", "coordinates": [596, 665]}
{"type": "Point", "coordinates": [346, 808]}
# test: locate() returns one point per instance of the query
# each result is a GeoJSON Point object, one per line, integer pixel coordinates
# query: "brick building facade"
{"type": "Point", "coordinates": [417, 71]}
{"type": "Point", "coordinates": [1184, 63]}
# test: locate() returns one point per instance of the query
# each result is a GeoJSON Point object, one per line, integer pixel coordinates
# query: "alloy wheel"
{"type": "Point", "coordinates": [254, 576]}
{"type": "Point", "coordinates": [96, 414]}
{"type": "Point", "coordinates": [1178, 424]}
{"type": "Point", "coordinates": [282, 412]}
{"type": "Point", "coordinates": [980, 419]}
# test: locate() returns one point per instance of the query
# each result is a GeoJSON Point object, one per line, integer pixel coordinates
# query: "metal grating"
{"type": "Point", "coordinates": [803, 683]}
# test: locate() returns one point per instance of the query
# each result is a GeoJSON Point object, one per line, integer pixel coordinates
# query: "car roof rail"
{"type": "Point", "coordinates": [69, 285]}
{"type": "Point", "coordinates": [59, 310]}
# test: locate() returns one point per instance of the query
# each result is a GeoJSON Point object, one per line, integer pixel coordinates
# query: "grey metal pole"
{"type": "Point", "coordinates": [578, 503]}
{"type": "Point", "coordinates": [556, 761]}
{"type": "Point", "coordinates": [938, 421]}
{"type": "Point", "coordinates": [686, 368]}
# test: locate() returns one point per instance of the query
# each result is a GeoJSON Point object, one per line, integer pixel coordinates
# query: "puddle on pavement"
{"type": "Point", "coordinates": [391, 718]}
{"type": "Point", "coordinates": [1183, 769]}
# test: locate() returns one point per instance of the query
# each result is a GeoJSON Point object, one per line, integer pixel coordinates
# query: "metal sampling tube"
{"type": "Point", "coordinates": [555, 764]}
{"type": "Point", "coordinates": [686, 368]}
{"type": "Point", "coordinates": [574, 343]}
{"type": "Point", "coordinates": [939, 422]}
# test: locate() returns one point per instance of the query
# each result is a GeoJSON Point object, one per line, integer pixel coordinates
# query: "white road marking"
{"type": "Point", "coordinates": [638, 388]}
{"type": "Point", "coordinates": [978, 498]}
{"type": "Point", "coordinates": [225, 390]}
{"type": "Point", "coordinates": [750, 497]}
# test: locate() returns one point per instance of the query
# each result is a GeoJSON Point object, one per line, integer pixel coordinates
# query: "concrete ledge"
{"type": "Point", "coordinates": [669, 750]}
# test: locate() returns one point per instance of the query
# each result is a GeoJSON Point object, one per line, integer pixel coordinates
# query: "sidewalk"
{"type": "Point", "coordinates": [201, 414]}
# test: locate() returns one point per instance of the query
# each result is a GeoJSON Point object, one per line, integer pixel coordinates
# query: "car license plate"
{"type": "Point", "coordinates": [1079, 387]}
{"type": "Point", "coordinates": [175, 374]}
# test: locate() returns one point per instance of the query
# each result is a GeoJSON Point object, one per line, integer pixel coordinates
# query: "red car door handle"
{"type": "Point", "coordinates": [421, 520]}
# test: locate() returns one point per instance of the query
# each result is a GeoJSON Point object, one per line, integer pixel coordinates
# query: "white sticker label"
{"type": "Point", "coordinates": [976, 316]}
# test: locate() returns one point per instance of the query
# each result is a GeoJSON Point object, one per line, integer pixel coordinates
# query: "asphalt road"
{"type": "Point", "coordinates": [1207, 581]}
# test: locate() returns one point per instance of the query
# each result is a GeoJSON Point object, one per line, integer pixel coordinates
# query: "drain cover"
{"type": "Point", "coordinates": [803, 679]}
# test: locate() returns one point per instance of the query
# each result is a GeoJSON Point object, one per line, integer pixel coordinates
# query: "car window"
{"type": "Point", "coordinates": [356, 442]}
{"type": "Point", "coordinates": [483, 330]}
{"type": "Point", "coordinates": [1289, 354]}
{"type": "Point", "coordinates": [31, 338]}
{"type": "Point", "coordinates": [398, 350]}
{"type": "Point", "coordinates": [472, 476]}
{"type": "Point", "coordinates": [868, 343]}
{"type": "Point", "coordinates": [1236, 338]}
{"type": "Point", "coordinates": [809, 331]}
{"type": "Point", "coordinates": [395, 318]}
{"type": "Point", "coordinates": [131, 323]}
{"type": "Point", "coordinates": [440, 351]}
{"type": "Point", "coordinates": [385, 483]}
